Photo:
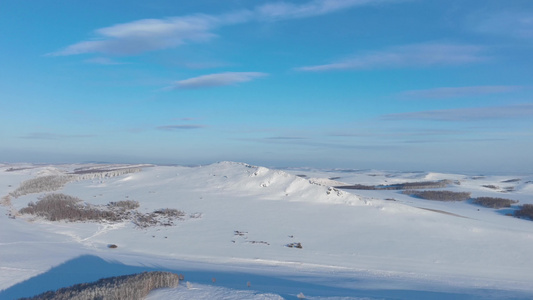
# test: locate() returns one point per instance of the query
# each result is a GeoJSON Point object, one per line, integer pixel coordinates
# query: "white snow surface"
{"type": "Point", "coordinates": [355, 244]}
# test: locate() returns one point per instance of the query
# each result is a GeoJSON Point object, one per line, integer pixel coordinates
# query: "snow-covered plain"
{"type": "Point", "coordinates": [232, 243]}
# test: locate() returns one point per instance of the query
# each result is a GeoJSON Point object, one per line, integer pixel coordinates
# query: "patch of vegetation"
{"type": "Point", "coordinates": [526, 211]}
{"type": "Point", "coordinates": [53, 183]}
{"type": "Point", "coordinates": [17, 169]}
{"type": "Point", "coordinates": [124, 204]}
{"type": "Point", "coordinates": [161, 217]}
{"type": "Point", "coordinates": [358, 187]}
{"type": "Point", "coordinates": [490, 186]}
{"type": "Point", "coordinates": [42, 184]}
{"type": "Point", "coordinates": [57, 207]}
{"type": "Point", "coordinates": [493, 202]}
{"type": "Point", "coordinates": [295, 245]}
{"type": "Point", "coordinates": [106, 172]}
{"type": "Point", "coordinates": [259, 242]}
{"type": "Point", "coordinates": [512, 180]}
{"type": "Point", "coordinates": [401, 186]}
{"type": "Point", "coordinates": [509, 188]}
{"type": "Point", "coordinates": [170, 212]}
{"type": "Point", "coordinates": [134, 287]}
{"type": "Point", "coordinates": [439, 195]}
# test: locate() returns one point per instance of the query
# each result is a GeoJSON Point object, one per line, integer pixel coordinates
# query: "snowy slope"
{"type": "Point", "coordinates": [240, 219]}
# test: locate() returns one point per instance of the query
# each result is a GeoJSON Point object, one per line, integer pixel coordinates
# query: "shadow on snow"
{"type": "Point", "coordinates": [89, 268]}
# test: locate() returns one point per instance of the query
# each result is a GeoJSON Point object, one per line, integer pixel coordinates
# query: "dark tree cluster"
{"type": "Point", "coordinates": [512, 180]}
{"type": "Point", "coordinates": [439, 195]}
{"type": "Point", "coordinates": [493, 202]}
{"type": "Point", "coordinates": [132, 287]}
{"type": "Point", "coordinates": [401, 186]}
{"type": "Point", "coordinates": [526, 211]}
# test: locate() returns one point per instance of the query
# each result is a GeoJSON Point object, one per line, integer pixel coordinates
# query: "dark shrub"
{"type": "Point", "coordinates": [170, 212]}
{"type": "Point", "coordinates": [125, 204]}
{"type": "Point", "coordinates": [295, 245]}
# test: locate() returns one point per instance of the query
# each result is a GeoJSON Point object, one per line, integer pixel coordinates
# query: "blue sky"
{"type": "Point", "coordinates": [443, 85]}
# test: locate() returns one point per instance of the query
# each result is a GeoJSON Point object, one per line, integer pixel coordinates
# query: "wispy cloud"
{"type": "Point", "coordinates": [218, 79]}
{"type": "Point", "coordinates": [397, 133]}
{"type": "Point", "coordinates": [303, 142]}
{"type": "Point", "coordinates": [455, 92]}
{"type": "Point", "coordinates": [156, 34]}
{"type": "Point", "coordinates": [465, 140]}
{"type": "Point", "coordinates": [180, 127]}
{"type": "Point", "coordinates": [518, 24]}
{"type": "Point", "coordinates": [418, 55]}
{"type": "Point", "coordinates": [185, 119]}
{"type": "Point", "coordinates": [285, 10]}
{"type": "Point", "coordinates": [54, 136]}
{"type": "Point", "coordinates": [146, 35]}
{"type": "Point", "coordinates": [103, 61]}
{"type": "Point", "coordinates": [285, 138]}
{"type": "Point", "coordinates": [467, 114]}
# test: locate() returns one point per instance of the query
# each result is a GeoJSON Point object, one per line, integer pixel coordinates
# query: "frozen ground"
{"type": "Point", "coordinates": [240, 219]}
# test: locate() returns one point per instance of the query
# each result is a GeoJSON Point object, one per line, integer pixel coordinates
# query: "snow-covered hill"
{"type": "Point", "coordinates": [243, 223]}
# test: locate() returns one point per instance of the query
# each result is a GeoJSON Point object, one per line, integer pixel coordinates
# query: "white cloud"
{"type": "Point", "coordinates": [468, 114]}
{"type": "Point", "coordinates": [454, 92]}
{"type": "Point", "coordinates": [218, 79]}
{"type": "Point", "coordinates": [146, 35]}
{"type": "Point", "coordinates": [417, 55]}
{"type": "Point", "coordinates": [156, 34]}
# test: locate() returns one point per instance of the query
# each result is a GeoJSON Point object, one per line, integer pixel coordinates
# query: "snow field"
{"type": "Point", "coordinates": [249, 214]}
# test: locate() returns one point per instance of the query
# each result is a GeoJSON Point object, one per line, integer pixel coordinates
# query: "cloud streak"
{"type": "Point", "coordinates": [467, 114]}
{"type": "Point", "coordinates": [509, 23]}
{"type": "Point", "coordinates": [54, 136]}
{"type": "Point", "coordinates": [103, 61]}
{"type": "Point", "coordinates": [417, 55]}
{"type": "Point", "coordinates": [179, 127]}
{"type": "Point", "coordinates": [156, 34]}
{"type": "Point", "coordinates": [218, 79]}
{"type": "Point", "coordinates": [285, 138]}
{"type": "Point", "coordinates": [284, 10]}
{"type": "Point", "coordinates": [456, 92]}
